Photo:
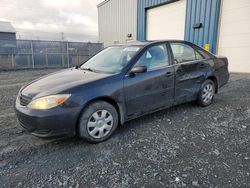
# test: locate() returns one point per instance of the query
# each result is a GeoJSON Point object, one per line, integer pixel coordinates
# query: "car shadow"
{"type": "Point", "coordinates": [122, 130]}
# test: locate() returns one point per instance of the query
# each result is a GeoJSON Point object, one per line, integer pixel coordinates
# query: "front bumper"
{"type": "Point", "coordinates": [47, 123]}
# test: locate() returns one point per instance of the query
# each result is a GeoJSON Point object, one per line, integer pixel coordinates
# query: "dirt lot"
{"type": "Point", "coordinates": [185, 146]}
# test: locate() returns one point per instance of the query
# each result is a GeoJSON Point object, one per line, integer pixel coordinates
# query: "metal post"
{"type": "Point", "coordinates": [32, 54]}
{"type": "Point", "coordinates": [46, 60]}
{"type": "Point", "coordinates": [9, 60]}
{"type": "Point", "coordinates": [68, 52]}
{"type": "Point", "coordinates": [12, 61]}
{"type": "Point", "coordinates": [78, 60]}
{"type": "Point", "coordinates": [62, 60]}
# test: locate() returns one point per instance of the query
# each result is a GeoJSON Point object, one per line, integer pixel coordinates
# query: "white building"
{"type": "Point", "coordinates": [223, 26]}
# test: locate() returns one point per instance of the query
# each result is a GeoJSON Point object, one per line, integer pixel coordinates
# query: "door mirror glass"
{"type": "Point", "coordinates": [138, 69]}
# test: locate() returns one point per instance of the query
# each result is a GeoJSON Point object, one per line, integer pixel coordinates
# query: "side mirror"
{"type": "Point", "coordinates": [176, 61]}
{"type": "Point", "coordinates": [138, 69]}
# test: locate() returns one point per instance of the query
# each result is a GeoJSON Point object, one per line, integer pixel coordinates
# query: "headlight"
{"type": "Point", "coordinates": [48, 102]}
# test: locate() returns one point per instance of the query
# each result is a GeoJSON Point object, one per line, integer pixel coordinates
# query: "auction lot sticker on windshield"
{"type": "Point", "coordinates": [132, 48]}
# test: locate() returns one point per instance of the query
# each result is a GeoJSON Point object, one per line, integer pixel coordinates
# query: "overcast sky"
{"type": "Point", "coordinates": [48, 19]}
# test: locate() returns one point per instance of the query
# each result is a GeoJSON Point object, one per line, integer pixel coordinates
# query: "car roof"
{"type": "Point", "coordinates": [146, 42]}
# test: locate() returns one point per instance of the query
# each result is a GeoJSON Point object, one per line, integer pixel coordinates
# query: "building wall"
{"type": "Point", "coordinates": [225, 25]}
{"type": "Point", "coordinates": [7, 36]}
{"type": "Point", "coordinates": [206, 12]}
{"type": "Point", "coordinates": [117, 19]}
{"type": "Point", "coordinates": [197, 11]}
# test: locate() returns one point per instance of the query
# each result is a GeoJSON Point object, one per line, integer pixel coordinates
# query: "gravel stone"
{"type": "Point", "coordinates": [195, 183]}
{"type": "Point", "coordinates": [183, 146]}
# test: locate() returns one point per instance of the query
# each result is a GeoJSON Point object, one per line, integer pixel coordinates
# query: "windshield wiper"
{"type": "Point", "coordinates": [88, 69]}
{"type": "Point", "coordinates": [92, 70]}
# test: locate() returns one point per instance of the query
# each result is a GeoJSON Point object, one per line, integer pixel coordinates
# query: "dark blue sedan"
{"type": "Point", "coordinates": [120, 83]}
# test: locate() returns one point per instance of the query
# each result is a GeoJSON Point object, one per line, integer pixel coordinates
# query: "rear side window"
{"type": "Point", "coordinates": [154, 57]}
{"type": "Point", "coordinates": [184, 53]}
{"type": "Point", "coordinates": [204, 53]}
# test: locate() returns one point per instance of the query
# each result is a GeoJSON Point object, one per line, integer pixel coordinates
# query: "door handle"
{"type": "Point", "coordinates": [202, 65]}
{"type": "Point", "coordinates": [169, 74]}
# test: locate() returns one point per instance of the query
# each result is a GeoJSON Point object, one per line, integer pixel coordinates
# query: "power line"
{"type": "Point", "coordinates": [47, 32]}
{"type": "Point", "coordinates": [60, 24]}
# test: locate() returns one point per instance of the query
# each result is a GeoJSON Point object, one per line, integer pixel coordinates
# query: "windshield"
{"type": "Point", "coordinates": [111, 60]}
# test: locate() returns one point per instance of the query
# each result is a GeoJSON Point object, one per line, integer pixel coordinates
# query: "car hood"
{"type": "Point", "coordinates": [60, 81]}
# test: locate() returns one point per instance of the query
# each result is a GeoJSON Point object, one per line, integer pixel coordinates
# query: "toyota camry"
{"type": "Point", "coordinates": [120, 83]}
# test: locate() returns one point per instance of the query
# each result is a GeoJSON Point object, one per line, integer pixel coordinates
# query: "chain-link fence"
{"type": "Point", "coordinates": [25, 54]}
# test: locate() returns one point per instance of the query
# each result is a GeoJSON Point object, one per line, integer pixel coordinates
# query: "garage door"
{"type": "Point", "coordinates": [234, 37]}
{"type": "Point", "coordinates": [166, 21]}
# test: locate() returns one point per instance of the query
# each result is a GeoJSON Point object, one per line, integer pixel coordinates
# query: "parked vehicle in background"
{"type": "Point", "coordinates": [120, 83]}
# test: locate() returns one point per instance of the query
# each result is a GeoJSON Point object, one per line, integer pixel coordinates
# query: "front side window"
{"type": "Point", "coordinates": [111, 60]}
{"type": "Point", "coordinates": [154, 57]}
{"type": "Point", "coordinates": [184, 53]}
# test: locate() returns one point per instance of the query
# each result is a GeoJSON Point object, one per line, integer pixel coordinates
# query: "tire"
{"type": "Point", "coordinates": [206, 93]}
{"type": "Point", "coordinates": [97, 122]}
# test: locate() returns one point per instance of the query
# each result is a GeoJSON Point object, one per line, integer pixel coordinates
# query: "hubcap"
{"type": "Point", "coordinates": [100, 123]}
{"type": "Point", "coordinates": [208, 93]}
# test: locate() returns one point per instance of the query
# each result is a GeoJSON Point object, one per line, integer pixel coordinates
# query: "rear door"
{"type": "Point", "coordinates": [190, 71]}
{"type": "Point", "coordinates": [154, 89]}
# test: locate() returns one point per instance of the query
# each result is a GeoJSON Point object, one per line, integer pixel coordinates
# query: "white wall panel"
{"type": "Point", "coordinates": [116, 19]}
{"type": "Point", "coordinates": [234, 36]}
{"type": "Point", "coordinates": [166, 21]}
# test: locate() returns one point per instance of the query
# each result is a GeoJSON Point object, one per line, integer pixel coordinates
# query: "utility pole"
{"type": "Point", "coordinates": [62, 36]}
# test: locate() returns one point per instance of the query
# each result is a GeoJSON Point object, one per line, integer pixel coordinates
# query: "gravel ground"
{"type": "Point", "coordinates": [184, 146]}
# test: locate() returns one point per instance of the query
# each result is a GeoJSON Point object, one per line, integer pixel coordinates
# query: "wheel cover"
{"type": "Point", "coordinates": [100, 124]}
{"type": "Point", "coordinates": [208, 93]}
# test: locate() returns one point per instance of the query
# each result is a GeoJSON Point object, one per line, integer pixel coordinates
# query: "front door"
{"type": "Point", "coordinates": [151, 90]}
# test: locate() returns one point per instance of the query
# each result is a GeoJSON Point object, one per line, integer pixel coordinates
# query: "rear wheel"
{"type": "Point", "coordinates": [206, 94]}
{"type": "Point", "coordinates": [98, 122]}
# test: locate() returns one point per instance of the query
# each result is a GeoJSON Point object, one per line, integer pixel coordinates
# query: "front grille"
{"type": "Point", "coordinates": [24, 100]}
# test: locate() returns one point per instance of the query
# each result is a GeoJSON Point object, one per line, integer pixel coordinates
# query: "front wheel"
{"type": "Point", "coordinates": [97, 122]}
{"type": "Point", "coordinates": [206, 93]}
